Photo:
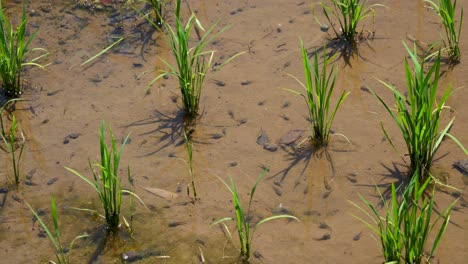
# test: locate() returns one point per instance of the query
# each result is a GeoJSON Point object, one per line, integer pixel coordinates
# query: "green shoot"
{"type": "Point", "coordinates": [107, 184]}
{"type": "Point", "coordinates": [244, 228]}
{"type": "Point", "coordinates": [446, 10]}
{"type": "Point", "coordinates": [418, 115]}
{"type": "Point", "coordinates": [349, 14]}
{"type": "Point", "coordinates": [102, 51]}
{"type": "Point", "coordinates": [61, 255]}
{"type": "Point", "coordinates": [318, 90]}
{"type": "Point", "coordinates": [11, 144]}
{"type": "Point", "coordinates": [13, 49]}
{"type": "Point", "coordinates": [193, 63]}
{"type": "Point", "coordinates": [405, 228]}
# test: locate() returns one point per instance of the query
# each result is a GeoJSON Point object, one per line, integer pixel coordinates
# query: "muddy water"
{"type": "Point", "coordinates": [69, 99]}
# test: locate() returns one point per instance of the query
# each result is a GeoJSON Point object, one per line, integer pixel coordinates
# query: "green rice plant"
{"type": "Point", "coordinates": [318, 91]}
{"type": "Point", "coordinates": [11, 143]}
{"type": "Point", "coordinates": [245, 229]}
{"type": "Point", "coordinates": [13, 49]}
{"type": "Point", "coordinates": [193, 63]}
{"type": "Point", "coordinates": [405, 228]}
{"type": "Point", "coordinates": [11, 146]}
{"type": "Point", "coordinates": [418, 115]}
{"type": "Point", "coordinates": [446, 10]}
{"type": "Point", "coordinates": [61, 254]}
{"type": "Point", "coordinates": [349, 14]}
{"type": "Point", "coordinates": [107, 183]}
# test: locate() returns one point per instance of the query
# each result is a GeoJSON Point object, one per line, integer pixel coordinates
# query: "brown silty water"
{"type": "Point", "coordinates": [64, 106]}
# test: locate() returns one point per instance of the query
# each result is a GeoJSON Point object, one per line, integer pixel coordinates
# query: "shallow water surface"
{"type": "Point", "coordinates": [65, 105]}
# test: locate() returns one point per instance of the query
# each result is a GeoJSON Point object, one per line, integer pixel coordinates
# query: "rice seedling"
{"type": "Point", "coordinates": [245, 229]}
{"type": "Point", "coordinates": [62, 254]}
{"type": "Point", "coordinates": [446, 10]}
{"type": "Point", "coordinates": [348, 13]}
{"type": "Point", "coordinates": [193, 62]}
{"type": "Point", "coordinates": [12, 146]}
{"type": "Point", "coordinates": [13, 49]}
{"type": "Point", "coordinates": [418, 115]}
{"type": "Point", "coordinates": [319, 87]}
{"type": "Point", "coordinates": [11, 142]}
{"type": "Point", "coordinates": [406, 226]}
{"type": "Point", "coordinates": [107, 183]}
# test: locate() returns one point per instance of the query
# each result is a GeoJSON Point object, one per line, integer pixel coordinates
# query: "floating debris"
{"type": "Point", "coordinates": [161, 193]}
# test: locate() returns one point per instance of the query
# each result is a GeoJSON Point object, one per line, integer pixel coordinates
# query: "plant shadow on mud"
{"type": "Point", "coordinates": [395, 175]}
{"type": "Point", "coordinates": [427, 53]}
{"type": "Point", "coordinates": [402, 180]}
{"type": "Point", "coordinates": [169, 130]}
{"type": "Point", "coordinates": [394, 172]}
{"type": "Point", "coordinates": [344, 49]}
{"type": "Point", "coordinates": [303, 154]}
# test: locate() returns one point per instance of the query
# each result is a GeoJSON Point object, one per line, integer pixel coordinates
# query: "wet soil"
{"type": "Point", "coordinates": [65, 105]}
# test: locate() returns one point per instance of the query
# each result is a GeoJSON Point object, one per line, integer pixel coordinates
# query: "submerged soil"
{"type": "Point", "coordinates": [64, 106]}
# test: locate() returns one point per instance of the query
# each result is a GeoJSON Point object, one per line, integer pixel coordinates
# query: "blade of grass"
{"type": "Point", "coordinates": [244, 229]}
{"type": "Point", "coordinates": [102, 51]}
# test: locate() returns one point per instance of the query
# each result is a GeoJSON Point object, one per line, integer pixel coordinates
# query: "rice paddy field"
{"type": "Point", "coordinates": [248, 121]}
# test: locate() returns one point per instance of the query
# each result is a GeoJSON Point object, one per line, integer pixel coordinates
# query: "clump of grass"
{"type": "Point", "coordinates": [13, 49]}
{"type": "Point", "coordinates": [61, 254]}
{"type": "Point", "coordinates": [193, 62]}
{"type": "Point", "coordinates": [405, 228]}
{"type": "Point", "coordinates": [245, 229]}
{"type": "Point", "coordinates": [11, 142]}
{"type": "Point", "coordinates": [107, 183]}
{"type": "Point", "coordinates": [446, 9]}
{"type": "Point", "coordinates": [319, 87]}
{"type": "Point", "coordinates": [418, 115]}
{"type": "Point", "coordinates": [349, 14]}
